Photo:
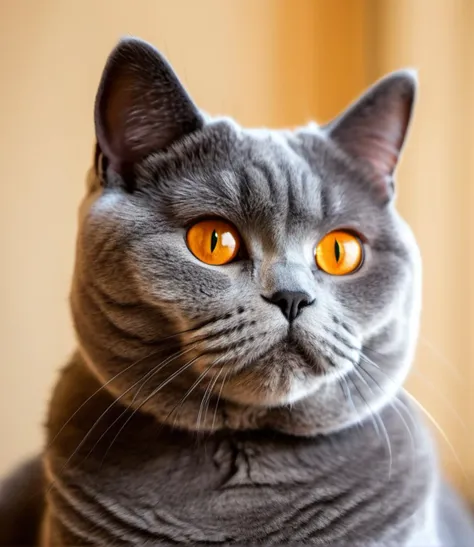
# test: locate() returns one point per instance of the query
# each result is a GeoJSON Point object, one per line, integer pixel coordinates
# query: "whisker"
{"type": "Point", "coordinates": [94, 425]}
{"type": "Point", "coordinates": [150, 374]}
{"type": "Point", "coordinates": [147, 398]}
{"type": "Point", "coordinates": [201, 405]}
{"type": "Point", "coordinates": [207, 397]}
{"type": "Point", "coordinates": [188, 393]}
{"type": "Point", "coordinates": [219, 398]}
{"type": "Point", "coordinates": [379, 419]}
{"type": "Point", "coordinates": [344, 396]}
{"type": "Point", "coordinates": [378, 367]}
{"type": "Point", "coordinates": [441, 358]}
{"type": "Point", "coordinates": [153, 354]}
{"type": "Point", "coordinates": [430, 385]}
{"type": "Point", "coordinates": [362, 398]}
{"type": "Point", "coordinates": [438, 428]}
{"type": "Point", "coordinates": [377, 383]}
{"type": "Point", "coordinates": [441, 396]}
{"type": "Point", "coordinates": [431, 419]}
{"type": "Point", "coordinates": [346, 393]}
{"type": "Point", "coordinates": [396, 384]}
{"type": "Point", "coordinates": [108, 382]}
{"type": "Point", "coordinates": [412, 440]}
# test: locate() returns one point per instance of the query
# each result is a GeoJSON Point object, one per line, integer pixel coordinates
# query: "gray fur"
{"type": "Point", "coordinates": [205, 417]}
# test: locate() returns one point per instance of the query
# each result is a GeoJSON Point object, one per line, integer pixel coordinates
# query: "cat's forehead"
{"type": "Point", "coordinates": [274, 179]}
{"type": "Point", "coordinates": [270, 180]}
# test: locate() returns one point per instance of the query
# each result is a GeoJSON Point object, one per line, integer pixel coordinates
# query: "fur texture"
{"type": "Point", "coordinates": [194, 411]}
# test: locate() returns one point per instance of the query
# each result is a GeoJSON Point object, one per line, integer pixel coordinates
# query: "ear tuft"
{"type": "Point", "coordinates": [141, 106]}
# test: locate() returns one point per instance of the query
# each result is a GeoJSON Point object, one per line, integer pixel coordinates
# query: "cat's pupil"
{"type": "Point", "coordinates": [214, 240]}
{"type": "Point", "coordinates": [337, 250]}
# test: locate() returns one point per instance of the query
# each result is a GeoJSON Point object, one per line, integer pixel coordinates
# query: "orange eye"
{"type": "Point", "coordinates": [339, 253]}
{"type": "Point", "coordinates": [213, 241]}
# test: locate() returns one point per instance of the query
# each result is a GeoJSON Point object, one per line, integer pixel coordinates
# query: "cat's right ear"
{"type": "Point", "coordinates": [141, 106]}
{"type": "Point", "coordinates": [373, 130]}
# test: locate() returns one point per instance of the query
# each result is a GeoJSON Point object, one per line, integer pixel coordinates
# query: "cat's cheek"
{"type": "Point", "coordinates": [372, 292]}
{"type": "Point", "coordinates": [178, 283]}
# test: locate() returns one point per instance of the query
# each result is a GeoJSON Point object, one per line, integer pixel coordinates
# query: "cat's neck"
{"type": "Point", "coordinates": [145, 465]}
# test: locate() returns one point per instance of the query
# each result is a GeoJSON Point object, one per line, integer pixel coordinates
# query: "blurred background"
{"type": "Point", "coordinates": [265, 62]}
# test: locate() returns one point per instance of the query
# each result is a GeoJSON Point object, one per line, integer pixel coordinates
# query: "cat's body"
{"type": "Point", "coordinates": [254, 398]}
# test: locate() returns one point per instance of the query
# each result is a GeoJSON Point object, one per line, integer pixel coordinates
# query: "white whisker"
{"type": "Point", "coordinates": [441, 358]}
{"type": "Point", "coordinates": [219, 398]}
{"type": "Point", "coordinates": [150, 374]}
{"type": "Point", "coordinates": [208, 395]}
{"type": "Point", "coordinates": [377, 417]}
{"type": "Point", "coordinates": [97, 391]}
{"type": "Point", "coordinates": [393, 405]}
{"type": "Point", "coordinates": [188, 393]}
{"type": "Point", "coordinates": [428, 415]}
{"type": "Point", "coordinates": [151, 395]}
{"type": "Point", "coordinates": [438, 428]}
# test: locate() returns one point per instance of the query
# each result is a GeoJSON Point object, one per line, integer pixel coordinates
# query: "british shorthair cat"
{"type": "Point", "coordinates": [246, 304]}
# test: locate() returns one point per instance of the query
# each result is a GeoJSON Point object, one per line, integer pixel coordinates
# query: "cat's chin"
{"type": "Point", "coordinates": [283, 376]}
{"type": "Point", "coordinates": [298, 389]}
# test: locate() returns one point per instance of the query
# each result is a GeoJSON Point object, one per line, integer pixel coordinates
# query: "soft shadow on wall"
{"type": "Point", "coordinates": [274, 63]}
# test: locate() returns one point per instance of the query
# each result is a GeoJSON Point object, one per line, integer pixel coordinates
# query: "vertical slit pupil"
{"type": "Point", "coordinates": [214, 240]}
{"type": "Point", "coordinates": [337, 250]}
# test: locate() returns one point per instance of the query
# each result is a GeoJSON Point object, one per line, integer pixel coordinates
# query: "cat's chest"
{"type": "Point", "coordinates": [223, 491]}
{"type": "Point", "coordinates": [246, 489]}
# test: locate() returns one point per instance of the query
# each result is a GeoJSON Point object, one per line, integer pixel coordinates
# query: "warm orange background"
{"type": "Point", "coordinates": [265, 62]}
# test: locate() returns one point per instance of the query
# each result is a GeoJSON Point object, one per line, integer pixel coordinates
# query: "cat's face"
{"type": "Point", "coordinates": [323, 285]}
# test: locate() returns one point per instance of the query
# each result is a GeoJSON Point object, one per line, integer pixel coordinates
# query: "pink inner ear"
{"type": "Point", "coordinates": [373, 147]}
{"type": "Point", "coordinates": [119, 105]}
{"type": "Point", "coordinates": [372, 131]}
{"type": "Point", "coordinates": [141, 106]}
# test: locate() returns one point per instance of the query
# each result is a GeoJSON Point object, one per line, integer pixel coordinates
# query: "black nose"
{"type": "Point", "coordinates": [290, 302]}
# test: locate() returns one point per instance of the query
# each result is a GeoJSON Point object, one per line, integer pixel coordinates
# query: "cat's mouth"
{"type": "Point", "coordinates": [290, 370]}
{"type": "Point", "coordinates": [274, 366]}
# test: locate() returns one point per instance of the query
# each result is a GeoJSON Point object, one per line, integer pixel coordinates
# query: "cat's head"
{"type": "Point", "coordinates": [269, 268]}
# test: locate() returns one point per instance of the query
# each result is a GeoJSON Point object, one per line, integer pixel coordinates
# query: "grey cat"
{"type": "Point", "coordinates": [246, 304]}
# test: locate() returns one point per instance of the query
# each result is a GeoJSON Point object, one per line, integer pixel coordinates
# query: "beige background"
{"type": "Point", "coordinates": [265, 62]}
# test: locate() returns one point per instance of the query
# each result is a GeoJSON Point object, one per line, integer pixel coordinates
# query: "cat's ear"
{"type": "Point", "coordinates": [373, 129]}
{"type": "Point", "coordinates": [141, 106]}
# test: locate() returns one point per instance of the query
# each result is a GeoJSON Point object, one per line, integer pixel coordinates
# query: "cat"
{"type": "Point", "coordinates": [246, 304]}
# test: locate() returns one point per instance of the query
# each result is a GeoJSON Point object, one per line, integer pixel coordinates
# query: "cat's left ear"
{"type": "Point", "coordinates": [372, 131]}
{"type": "Point", "coordinates": [141, 106]}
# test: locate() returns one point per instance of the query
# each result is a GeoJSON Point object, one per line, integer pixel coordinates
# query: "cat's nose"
{"type": "Point", "coordinates": [290, 302]}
